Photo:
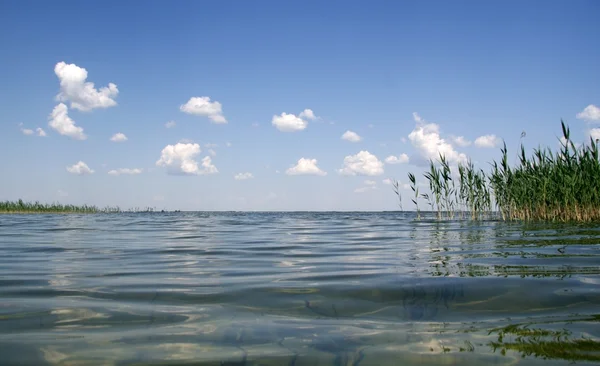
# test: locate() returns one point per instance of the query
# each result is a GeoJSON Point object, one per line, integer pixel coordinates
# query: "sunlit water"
{"type": "Point", "coordinates": [295, 289]}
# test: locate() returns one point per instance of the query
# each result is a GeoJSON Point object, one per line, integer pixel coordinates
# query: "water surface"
{"type": "Point", "coordinates": [295, 289]}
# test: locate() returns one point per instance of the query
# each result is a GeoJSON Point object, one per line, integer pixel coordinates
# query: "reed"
{"type": "Point", "coordinates": [547, 186]}
{"type": "Point", "coordinates": [36, 207]}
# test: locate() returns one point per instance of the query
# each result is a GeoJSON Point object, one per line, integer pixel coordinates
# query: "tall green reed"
{"type": "Point", "coordinates": [546, 186]}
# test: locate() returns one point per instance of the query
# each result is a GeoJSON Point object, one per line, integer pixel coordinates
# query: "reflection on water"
{"type": "Point", "coordinates": [296, 289]}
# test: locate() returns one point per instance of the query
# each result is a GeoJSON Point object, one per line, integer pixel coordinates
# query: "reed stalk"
{"type": "Point", "coordinates": [546, 186]}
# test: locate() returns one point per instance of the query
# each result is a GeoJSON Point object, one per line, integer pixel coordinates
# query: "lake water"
{"type": "Point", "coordinates": [295, 289]}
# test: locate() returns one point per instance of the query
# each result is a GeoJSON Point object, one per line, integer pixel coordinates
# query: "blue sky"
{"type": "Point", "coordinates": [408, 79]}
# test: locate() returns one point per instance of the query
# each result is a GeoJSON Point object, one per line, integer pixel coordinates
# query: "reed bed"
{"type": "Point", "coordinates": [547, 186]}
{"type": "Point", "coordinates": [36, 207]}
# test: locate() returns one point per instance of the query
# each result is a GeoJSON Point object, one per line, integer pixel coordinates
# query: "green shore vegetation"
{"type": "Point", "coordinates": [17, 207]}
{"type": "Point", "coordinates": [559, 186]}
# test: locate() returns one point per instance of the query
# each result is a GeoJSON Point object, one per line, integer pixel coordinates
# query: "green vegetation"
{"type": "Point", "coordinates": [19, 206]}
{"type": "Point", "coordinates": [562, 186]}
{"type": "Point", "coordinates": [546, 344]}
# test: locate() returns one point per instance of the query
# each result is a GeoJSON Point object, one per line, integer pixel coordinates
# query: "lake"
{"type": "Point", "coordinates": [296, 289]}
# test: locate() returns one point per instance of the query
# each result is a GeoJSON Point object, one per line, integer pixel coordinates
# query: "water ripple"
{"type": "Point", "coordinates": [242, 288]}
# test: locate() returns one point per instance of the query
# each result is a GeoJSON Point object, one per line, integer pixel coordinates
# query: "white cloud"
{"type": "Point", "coordinates": [179, 158]}
{"type": "Point", "coordinates": [305, 167]}
{"type": "Point", "coordinates": [27, 131]}
{"type": "Point", "coordinates": [243, 176]}
{"type": "Point", "coordinates": [63, 124]}
{"type": "Point", "coordinates": [212, 152]}
{"type": "Point", "coordinates": [365, 189]}
{"type": "Point", "coordinates": [202, 106]}
{"type": "Point", "coordinates": [125, 171]}
{"type": "Point", "coordinates": [351, 136]}
{"type": "Point", "coordinates": [288, 123]}
{"type": "Point", "coordinates": [80, 168]}
{"type": "Point", "coordinates": [308, 114]}
{"type": "Point", "coordinates": [400, 159]}
{"type": "Point", "coordinates": [363, 163]}
{"type": "Point", "coordinates": [118, 137]}
{"type": "Point", "coordinates": [255, 124]}
{"type": "Point", "coordinates": [369, 186]}
{"type": "Point", "coordinates": [590, 113]}
{"type": "Point", "coordinates": [207, 166]}
{"type": "Point", "coordinates": [425, 137]}
{"type": "Point", "coordinates": [228, 144]}
{"type": "Point", "coordinates": [488, 141]}
{"type": "Point", "coordinates": [595, 133]}
{"type": "Point", "coordinates": [210, 145]}
{"type": "Point", "coordinates": [170, 124]}
{"type": "Point", "coordinates": [40, 132]}
{"type": "Point", "coordinates": [563, 141]}
{"type": "Point", "coordinates": [460, 141]}
{"type": "Point", "coordinates": [389, 181]}
{"type": "Point", "coordinates": [82, 95]}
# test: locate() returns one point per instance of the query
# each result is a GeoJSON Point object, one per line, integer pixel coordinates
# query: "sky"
{"type": "Point", "coordinates": [280, 106]}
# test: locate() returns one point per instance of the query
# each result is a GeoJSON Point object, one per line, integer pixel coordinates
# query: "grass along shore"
{"type": "Point", "coordinates": [21, 207]}
{"type": "Point", "coordinates": [548, 186]}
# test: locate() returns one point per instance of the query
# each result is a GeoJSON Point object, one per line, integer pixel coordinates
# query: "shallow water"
{"type": "Point", "coordinates": [295, 289]}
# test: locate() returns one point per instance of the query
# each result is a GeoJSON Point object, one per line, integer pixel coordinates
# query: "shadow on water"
{"type": "Point", "coordinates": [296, 289]}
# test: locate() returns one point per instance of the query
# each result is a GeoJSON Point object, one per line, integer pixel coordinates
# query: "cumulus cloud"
{"type": "Point", "coordinates": [118, 137]}
{"type": "Point", "coordinates": [27, 131]}
{"type": "Point", "coordinates": [40, 132]}
{"type": "Point", "coordinates": [212, 152]}
{"type": "Point", "coordinates": [228, 144]}
{"type": "Point", "coordinates": [170, 124]}
{"type": "Point", "coordinates": [179, 159]}
{"type": "Point", "coordinates": [400, 159]}
{"type": "Point", "coordinates": [387, 181]}
{"type": "Point", "coordinates": [127, 171]}
{"type": "Point", "coordinates": [63, 124]}
{"type": "Point", "coordinates": [81, 93]}
{"type": "Point", "coordinates": [243, 176]}
{"type": "Point", "coordinates": [305, 167]}
{"type": "Point", "coordinates": [202, 106]}
{"type": "Point", "coordinates": [488, 141]}
{"type": "Point", "coordinates": [308, 114]}
{"type": "Point", "coordinates": [289, 123]}
{"type": "Point", "coordinates": [425, 137]}
{"type": "Point", "coordinates": [590, 113]}
{"type": "Point", "coordinates": [351, 136]}
{"type": "Point", "coordinates": [460, 141]}
{"type": "Point", "coordinates": [207, 166]}
{"type": "Point", "coordinates": [79, 168]}
{"type": "Point", "coordinates": [363, 163]}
